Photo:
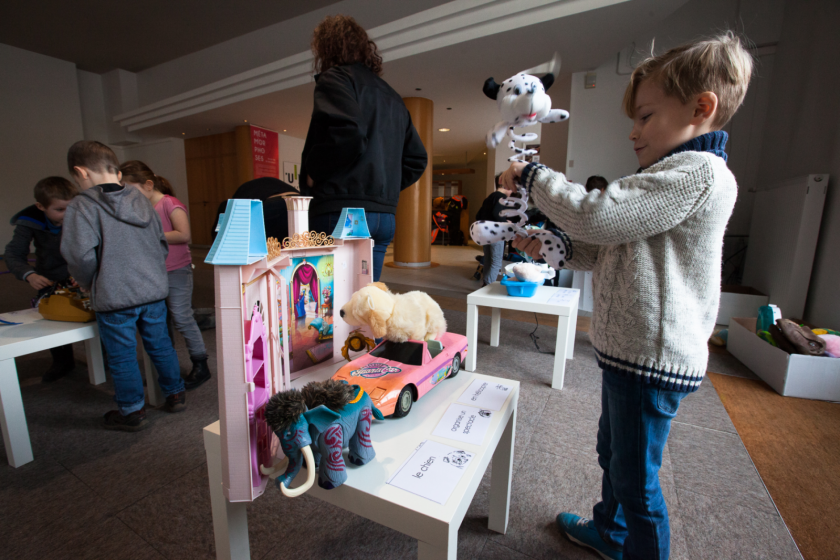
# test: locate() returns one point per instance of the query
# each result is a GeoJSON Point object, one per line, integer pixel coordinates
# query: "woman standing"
{"type": "Point", "coordinates": [361, 149]}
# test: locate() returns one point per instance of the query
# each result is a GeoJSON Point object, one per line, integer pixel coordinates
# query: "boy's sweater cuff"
{"type": "Point", "coordinates": [529, 173]}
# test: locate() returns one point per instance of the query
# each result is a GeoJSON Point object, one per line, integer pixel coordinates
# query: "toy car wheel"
{"type": "Point", "coordinates": [404, 403]}
{"type": "Point", "coordinates": [456, 366]}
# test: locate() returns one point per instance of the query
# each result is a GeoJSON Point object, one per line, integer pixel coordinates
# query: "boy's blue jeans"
{"type": "Point", "coordinates": [634, 426]}
{"type": "Point", "coordinates": [117, 331]}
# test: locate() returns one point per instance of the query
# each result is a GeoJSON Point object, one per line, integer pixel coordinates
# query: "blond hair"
{"type": "Point", "coordinates": [721, 65]}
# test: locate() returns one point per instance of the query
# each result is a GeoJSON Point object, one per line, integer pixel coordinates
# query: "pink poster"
{"type": "Point", "coordinates": [266, 147]}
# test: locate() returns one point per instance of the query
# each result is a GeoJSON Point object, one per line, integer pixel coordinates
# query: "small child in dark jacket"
{"type": "Point", "coordinates": [115, 248]}
{"type": "Point", "coordinates": [491, 210]}
{"type": "Point", "coordinates": [41, 223]}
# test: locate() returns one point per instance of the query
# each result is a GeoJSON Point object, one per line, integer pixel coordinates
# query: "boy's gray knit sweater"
{"type": "Point", "coordinates": [114, 246]}
{"type": "Point", "coordinates": [654, 242]}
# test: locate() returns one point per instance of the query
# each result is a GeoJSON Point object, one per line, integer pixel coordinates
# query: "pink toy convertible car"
{"type": "Point", "coordinates": [395, 374]}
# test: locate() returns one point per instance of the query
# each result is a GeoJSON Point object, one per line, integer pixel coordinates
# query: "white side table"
{"type": "Point", "coordinates": [20, 340]}
{"type": "Point", "coordinates": [562, 302]}
{"type": "Point", "coordinates": [366, 493]}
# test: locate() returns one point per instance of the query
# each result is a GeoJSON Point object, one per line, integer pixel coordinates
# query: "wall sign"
{"type": "Point", "coordinates": [265, 145]}
{"type": "Point", "coordinates": [290, 173]}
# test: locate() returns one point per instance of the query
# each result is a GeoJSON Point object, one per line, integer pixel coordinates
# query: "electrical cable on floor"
{"type": "Point", "coordinates": [534, 336]}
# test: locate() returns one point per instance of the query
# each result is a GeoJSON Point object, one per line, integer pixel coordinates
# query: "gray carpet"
{"type": "Point", "coordinates": [97, 494]}
{"type": "Point", "coordinates": [727, 364]}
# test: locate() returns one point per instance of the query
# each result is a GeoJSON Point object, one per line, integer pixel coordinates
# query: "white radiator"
{"type": "Point", "coordinates": [784, 230]}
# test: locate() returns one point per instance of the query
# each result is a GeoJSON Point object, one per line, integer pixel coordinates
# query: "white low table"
{"type": "Point", "coordinates": [20, 340]}
{"type": "Point", "coordinates": [548, 300]}
{"type": "Point", "coordinates": [366, 493]}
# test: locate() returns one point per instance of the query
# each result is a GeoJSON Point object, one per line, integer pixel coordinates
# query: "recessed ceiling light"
{"type": "Point", "coordinates": [443, 130]}
{"type": "Point", "coordinates": [284, 130]}
{"type": "Point", "coordinates": [183, 134]}
{"type": "Point", "coordinates": [246, 120]}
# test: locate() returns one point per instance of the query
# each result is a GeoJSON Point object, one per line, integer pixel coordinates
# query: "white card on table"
{"type": "Point", "coordinates": [485, 394]}
{"type": "Point", "coordinates": [22, 317]}
{"type": "Point", "coordinates": [464, 423]}
{"type": "Point", "coordinates": [432, 471]}
{"type": "Point", "coordinates": [564, 296]}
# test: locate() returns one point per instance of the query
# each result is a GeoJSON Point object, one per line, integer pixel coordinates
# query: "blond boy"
{"type": "Point", "coordinates": [653, 241]}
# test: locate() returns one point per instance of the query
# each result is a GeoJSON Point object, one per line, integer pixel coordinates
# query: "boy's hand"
{"type": "Point", "coordinates": [38, 282]}
{"type": "Point", "coordinates": [509, 178]}
{"type": "Point", "coordinates": [529, 245]}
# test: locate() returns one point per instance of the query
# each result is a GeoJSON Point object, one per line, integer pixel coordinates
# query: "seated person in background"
{"type": "Point", "coordinates": [41, 224]}
{"type": "Point", "coordinates": [272, 192]}
{"type": "Point", "coordinates": [115, 248]}
{"type": "Point", "coordinates": [596, 182]}
{"type": "Point", "coordinates": [490, 211]}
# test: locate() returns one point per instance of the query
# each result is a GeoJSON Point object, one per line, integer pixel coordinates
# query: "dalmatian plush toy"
{"type": "Point", "coordinates": [522, 101]}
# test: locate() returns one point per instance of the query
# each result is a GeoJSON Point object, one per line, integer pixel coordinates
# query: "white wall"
{"type": "Point", "coordinates": [41, 116]}
{"type": "Point", "coordinates": [599, 131]}
{"type": "Point", "coordinates": [290, 150]}
{"type": "Point", "coordinates": [166, 158]}
{"type": "Point", "coordinates": [802, 135]}
{"type": "Point", "coordinates": [554, 138]}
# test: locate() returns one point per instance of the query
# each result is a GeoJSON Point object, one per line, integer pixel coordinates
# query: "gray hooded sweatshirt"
{"type": "Point", "coordinates": [114, 246]}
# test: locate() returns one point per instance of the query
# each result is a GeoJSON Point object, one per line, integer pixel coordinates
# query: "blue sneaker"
{"type": "Point", "coordinates": [582, 531]}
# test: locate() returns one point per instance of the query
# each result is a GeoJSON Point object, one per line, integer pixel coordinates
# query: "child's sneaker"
{"type": "Point", "coordinates": [176, 402]}
{"type": "Point", "coordinates": [57, 371]}
{"type": "Point", "coordinates": [582, 531]}
{"type": "Point", "coordinates": [134, 422]}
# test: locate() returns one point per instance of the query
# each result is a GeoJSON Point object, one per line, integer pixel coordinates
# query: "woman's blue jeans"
{"type": "Point", "coordinates": [382, 226]}
{"type": "Point", "coordinates": [634, 426]}
{"type": "Point", "coordinates": [117, 330]}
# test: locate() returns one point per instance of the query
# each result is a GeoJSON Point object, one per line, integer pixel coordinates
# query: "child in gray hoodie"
{"type": "Point", "coordinates": [114, 246]}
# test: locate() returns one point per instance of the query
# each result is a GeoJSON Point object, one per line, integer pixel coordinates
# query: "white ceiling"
{"type": "Point", "coordinates": [453, 77]}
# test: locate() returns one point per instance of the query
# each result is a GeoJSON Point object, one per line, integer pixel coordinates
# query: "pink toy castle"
{"type": "Point", "coordinates": [272, 316]}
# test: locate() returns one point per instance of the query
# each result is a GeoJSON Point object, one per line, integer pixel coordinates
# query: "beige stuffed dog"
{"type": "Point", "coordinates": [395, 317]}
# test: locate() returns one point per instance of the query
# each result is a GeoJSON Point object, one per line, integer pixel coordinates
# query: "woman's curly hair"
{"type": "Point", "coordinates": [340, 40]}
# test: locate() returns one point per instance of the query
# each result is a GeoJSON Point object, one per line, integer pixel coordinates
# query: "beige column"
{"type": "Point", "coordinates": [412, 241]}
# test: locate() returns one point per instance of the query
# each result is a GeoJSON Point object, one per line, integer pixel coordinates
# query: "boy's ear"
{"type": "Point", "coordinates": [80, 172]}
{"type": "Point", "coordinates": [705, 106]}
{"type": "Point", "coordinates": [40, 207]}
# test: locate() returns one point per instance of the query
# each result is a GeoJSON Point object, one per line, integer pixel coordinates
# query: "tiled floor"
{"type": "Point", "coordinates": [97, 494]}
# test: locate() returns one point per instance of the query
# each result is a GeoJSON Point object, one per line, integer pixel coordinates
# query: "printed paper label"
{"type": "Point", "coordinates": [464, 423]}
{"type": "Point", "coordinates": [486, 394]}
{"type": "Point", "coordinates": [432, 471]}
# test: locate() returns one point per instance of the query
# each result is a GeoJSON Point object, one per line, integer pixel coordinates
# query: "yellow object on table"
{"type": "Point", "coordinates": [64, 305]}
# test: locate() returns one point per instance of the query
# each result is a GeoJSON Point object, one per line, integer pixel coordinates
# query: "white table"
{"type": "Point", "coordinates": [366, 493]}
{"type": "Point", "coordinates": [20, 340]}
{"type": "Point", "coordinates": [562, 302]}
